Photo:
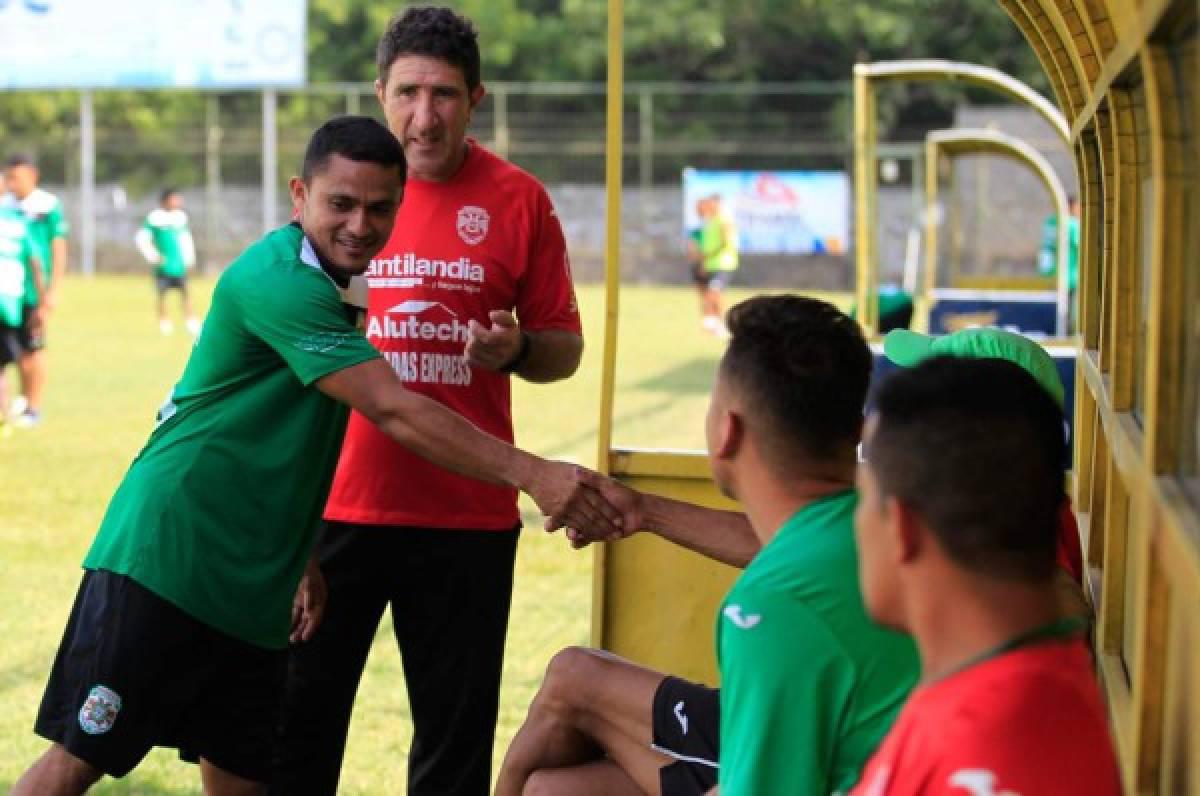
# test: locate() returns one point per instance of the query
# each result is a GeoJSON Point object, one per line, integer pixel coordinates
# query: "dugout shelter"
{"type": "Point", "coordinates": [1123, 75]}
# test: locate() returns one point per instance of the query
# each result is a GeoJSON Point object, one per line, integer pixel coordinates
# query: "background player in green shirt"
{"type": "Point", "coordinates": [165, 240]}
{"type": "Point", "coordinates": [18, 262]}
{"type": "Point", "coordinates": [201, 572]}
{"type": "Point", "coordinates": [809, 685]}
{"type": "Point", "coordinates": [1047, 261]}
{"type": "Point", "coordinates": [717, 249]}
{"type": "Point", "coordinates": [48, 224]}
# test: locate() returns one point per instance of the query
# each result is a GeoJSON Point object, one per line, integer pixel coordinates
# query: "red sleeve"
{"type": "Point", "coordinates": [546, 297]}
{"type": "Point", "coordinates": [1069, 552]}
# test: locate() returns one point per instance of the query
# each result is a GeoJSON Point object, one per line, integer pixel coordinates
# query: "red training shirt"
{"type": "Point", "coordinates": [1026, 723]}
{"type": "Point", "coordinates": [487, 239]}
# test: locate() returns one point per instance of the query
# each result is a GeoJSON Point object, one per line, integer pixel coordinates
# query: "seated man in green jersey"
{"type": "Point", "coordinates": [201, 571]}
{"type": "Point", "coordinates": [809, 685]}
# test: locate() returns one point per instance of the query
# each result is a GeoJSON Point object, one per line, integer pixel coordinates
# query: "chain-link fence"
{"type": "Point", "coordinates": [211, 146]}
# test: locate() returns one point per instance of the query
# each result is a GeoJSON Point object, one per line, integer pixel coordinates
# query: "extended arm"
{"type": "Point", "coordinates": [434, 432]}
{"type": "Point", "coordinates": [187, 246]}
{"type": "Point", "coordinates": [58, 267]}
{"type": "Point", "coordinates": [724, 536]}
{"type": "Point", "coordinates": [39, 279]}
{"type": "Point", "coordinates": [554, 354]}
{"type": "Point", "coordinates": [145, 244]}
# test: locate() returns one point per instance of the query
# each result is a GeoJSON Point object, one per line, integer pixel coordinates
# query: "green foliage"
{"type": "Point", "coordinates": [148, 138]}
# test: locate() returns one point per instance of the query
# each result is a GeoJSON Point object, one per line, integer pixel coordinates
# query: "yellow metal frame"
{"type": "Point", "coordinates": [866, 137]}
{"type": "Point", "coordinates": [965, 141]}
{"type": "Point", "coordinates": [1140, 532]}
{"type": "Point", "coordinates": [1108, 63]}
{"type": "Point", "coordinates": [651, 601]}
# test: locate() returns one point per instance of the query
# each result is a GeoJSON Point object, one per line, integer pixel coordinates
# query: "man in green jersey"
{"type": "Point", "coordinates": [201, 572]}
{"type": "Point", "coordinates": [18, 261]}
{"type": "Point", "coordinates": [809, 685]}
{"type": "Point", "coordinates": [44, 212]}
{"type": "Point", "coordinates": [165, 240]}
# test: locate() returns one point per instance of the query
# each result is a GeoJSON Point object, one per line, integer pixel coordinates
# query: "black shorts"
{"type": "Point", "coordinates": [686, 725]}
{"type": "Point", "coordinates": [31, 335]}
{"type": "Point", "coordinates": [134, 671]}
{"type": "Point", "coordinates": [163, 283]}
{"type": "Point", "coordinates": [711, 280]}
{"type": "Point", "coordinates": [10, 344]}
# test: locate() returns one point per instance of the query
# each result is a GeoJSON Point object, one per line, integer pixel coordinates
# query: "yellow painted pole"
{"type": "Point", "coordinates": [1062, 328]}
{"type": "Point", "coordinates": [614, 157]}
{"type": "Point", "coordinates": [864, 185]}
{"type": "Point", "coordinates": [932, 158]}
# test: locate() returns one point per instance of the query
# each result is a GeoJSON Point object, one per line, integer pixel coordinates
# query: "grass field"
{"type": "Point", "coordinates": [110, 370]}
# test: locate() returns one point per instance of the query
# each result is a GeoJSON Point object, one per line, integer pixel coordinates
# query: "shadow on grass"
{"type": "Point", "coordinates": [693, 377]}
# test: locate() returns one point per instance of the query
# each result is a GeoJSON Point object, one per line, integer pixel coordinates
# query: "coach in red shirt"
{"type": "Point", "coordinates": [474, 285]}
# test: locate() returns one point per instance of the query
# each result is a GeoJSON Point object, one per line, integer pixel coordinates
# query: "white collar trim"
{"type": "Point", "coordinates": [354, 294]}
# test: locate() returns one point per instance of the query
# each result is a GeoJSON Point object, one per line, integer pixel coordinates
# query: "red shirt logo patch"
{"type": "Point", "coordinates": [472, 224]}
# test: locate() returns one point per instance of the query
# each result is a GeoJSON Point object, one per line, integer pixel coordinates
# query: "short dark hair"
{"type": "Point", "coordinates": [20, 159]}
{"type": "Point", "coordinates": [167, 193]}
{"type": "Point", "coordinates": [976, 448]}
{"type": "Point", "coordinates": [358, 138]}
{"type": "Point", "coordinates": [803, 367]}
{"type": "Point", "coordinates": [435, 32]}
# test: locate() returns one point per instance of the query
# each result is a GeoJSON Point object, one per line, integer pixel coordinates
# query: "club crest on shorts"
{"type": "Point", "coordinates": [473, 224]}
{"type": "Point", "coordinates": [99, 711]}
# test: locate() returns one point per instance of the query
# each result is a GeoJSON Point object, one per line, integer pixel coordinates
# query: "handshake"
{"type": "Point", "coordinates": [591, 507]}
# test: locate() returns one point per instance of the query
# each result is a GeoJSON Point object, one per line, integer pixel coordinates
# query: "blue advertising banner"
{"type": "Point", "coordinates": [776, 212]}
{"type": "Point", "coordinates": [48, 44]}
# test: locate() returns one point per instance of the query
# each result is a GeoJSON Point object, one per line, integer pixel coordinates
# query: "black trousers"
{"type": "Point", "coordinates": [450, 592]}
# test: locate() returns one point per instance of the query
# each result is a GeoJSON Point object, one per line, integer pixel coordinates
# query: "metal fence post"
{"type": "Point", "coordinates": [212, 177]}
{"type": "Point", "coordinates": [87, 183]}
{"type": "Point", "coordinates": [500, 122]}
{"type": "Point", "coordinates": [270, 158]}
{"type": "Point", "coordinates": [646, 138]}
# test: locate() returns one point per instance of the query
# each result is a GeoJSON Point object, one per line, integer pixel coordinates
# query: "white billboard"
{"type": "Point", "coordinates": [48, 44]}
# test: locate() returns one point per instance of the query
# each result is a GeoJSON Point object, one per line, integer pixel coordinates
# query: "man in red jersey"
{"type": "Point", "coordinates": [907, 348]}
{"type": "Point", "coordinates": [474, 285]}
{"type": "Point", "coordinates": [961, 488]}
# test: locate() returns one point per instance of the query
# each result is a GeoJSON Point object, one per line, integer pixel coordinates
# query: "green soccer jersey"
{"type": "Point", "coordinates": [809, 685]}
{"type": "Point", "coordinates": [166, 240]}
{"type": "Point", "coordinates": [718, 244]}
{"type": "Point", "coordinates": [219, 511]}
{"type": "Point", "coordinates": [44, 212]}
{"type": "Point", "coordinates": [17, 255]}
{"type": "Point", "coordinates": [1048, 253]}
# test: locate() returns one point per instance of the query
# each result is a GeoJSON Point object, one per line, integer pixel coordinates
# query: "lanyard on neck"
{"type": "Point", "coordinates": [1059, 629]}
